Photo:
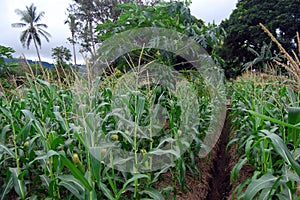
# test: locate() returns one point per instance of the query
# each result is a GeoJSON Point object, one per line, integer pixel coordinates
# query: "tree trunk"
{"type": "Point", "coordinates": [38, 53]}
{"type": "Point", "coordinates": [92, 38]}
{"type": "Point", "coordinates": [40, 61]}
{"type": "Point", "coordinates": [74, 51]}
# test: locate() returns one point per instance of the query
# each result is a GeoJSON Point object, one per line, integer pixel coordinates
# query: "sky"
{"type": "Point", "coordinates": [55, 15]}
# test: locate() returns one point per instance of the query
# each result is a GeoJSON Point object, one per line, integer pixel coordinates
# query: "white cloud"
{"type": "Point", "coordinates": [212, 10]}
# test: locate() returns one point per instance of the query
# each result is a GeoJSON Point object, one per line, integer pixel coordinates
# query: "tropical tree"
{"type": "Point", "coordinates": [91, 13]}
{"type": "Point", "coordinates": [5, 52]}
{"type": "Point", "coordinates": [73, 25]}
{"type": "Point", "coordinates": [61, 55]}
{"type": "Point", "coordinates": [281, 17]}
{"type": "Point", "coordinates": [34, 30]}
{"type": "Point", "coordinates": [174, 15]}
{"type": "Point", "coordinates": [263, 59]}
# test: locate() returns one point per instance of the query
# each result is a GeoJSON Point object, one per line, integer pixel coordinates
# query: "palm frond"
{"type": "Point", "coordinates": [38, 18]}
{"type": "Point", "coordinates": [20, 12]}
{"type": "Point", "coordinates": [41, 25]}
{"type": "Point", "coordinates": [28, 41]}
{"type": "Point", "coordinates": [23, 37]}
{"type": "Point", "coordinates": [44, 34]}
{"type": "Point", "coordinates": [18, 25]}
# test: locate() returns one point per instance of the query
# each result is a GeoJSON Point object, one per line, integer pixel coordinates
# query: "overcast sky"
{"type": "Point", "coordinates": [55, 15]}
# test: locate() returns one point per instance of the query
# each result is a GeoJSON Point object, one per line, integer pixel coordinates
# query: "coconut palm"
{"type": "Point", "coordinates": [34, 30]}
{"type": "Point", "coordinates": [73, 25]}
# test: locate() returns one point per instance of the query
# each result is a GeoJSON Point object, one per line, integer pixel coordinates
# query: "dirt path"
{"type": "Point", "coordinates": [214, 183]}
{"type": "Point", "coordinates": [219, 186]}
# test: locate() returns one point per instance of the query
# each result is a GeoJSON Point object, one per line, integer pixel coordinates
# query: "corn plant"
{"type": "Point", "coordinates": [265, 118]}
{"type": "Point", "coordinates": [51, 133]}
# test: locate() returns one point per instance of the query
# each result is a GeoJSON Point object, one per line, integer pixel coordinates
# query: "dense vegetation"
{"type": "Point", "coordinates": [282, 18]}
{"type": "Point", "coordinates": [63, 132]}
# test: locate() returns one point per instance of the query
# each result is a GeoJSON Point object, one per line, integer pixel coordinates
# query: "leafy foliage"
{"type": "Point", "coordinates": [266, 138]}
{"type": "Point", "coordinates": [281, 17]}
{"type": "Point", "coordinates": [174, 15]}
{"type": "Point", "coordinates": [90, 13]}
{"type": "Point", "coordinates": [61, 55]}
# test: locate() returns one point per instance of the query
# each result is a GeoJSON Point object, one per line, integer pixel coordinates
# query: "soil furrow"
{"type": "Point", "coordinates": [219, 186]}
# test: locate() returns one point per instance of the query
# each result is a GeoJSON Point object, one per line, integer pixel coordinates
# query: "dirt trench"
{"type": "Point", "coordinates": [219, 186]}
{"type": "Point", "coordinates": [214, 183]}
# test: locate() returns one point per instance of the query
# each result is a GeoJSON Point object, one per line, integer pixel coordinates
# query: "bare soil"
{"type": "Point", "coordinates": [214, 184]}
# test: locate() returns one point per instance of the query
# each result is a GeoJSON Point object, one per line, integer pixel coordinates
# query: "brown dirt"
{"type": "Point", "coordinates": [214, 183]}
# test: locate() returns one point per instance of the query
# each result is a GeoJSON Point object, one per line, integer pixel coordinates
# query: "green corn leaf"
{"type": "Point", "coordinates": [282, 150]}
{"type": "Point", "coordinates": [293, 115]}
{"type": "Point", "coordinates": [264, 182]}
{"type": "Point", "coordinates": [45, 180]}
{"type": "Point", "coordinates": [45, 156]}
{"type": "Point", "coordinates": [19, 185]}
{"type": "Point", "coordinates": [264, 195]}
{"type": "Point", "coordinates": [154, 194]}
{"type": "Point", "coordinates": [293, 118]}
{"type": "Point", "coordinates": [76, 172]}
{"type": "Point", "coordinates": [73, 185]}
{"type": "Point", "coordinates": [29, 115]}
{"type": "Point", "coordinates": [276, 121]}
{"type": "Point", "coordinates": [33, 197]}
{"type": "Point", "coordinates": [236, 169]}
{"type": "Point", "coordinates": [43, 82]}
{"type": "Point", "coordinates": [6, 188]}
{"type": "Point", "coordinates": [24, 131]}
{"type": "Point", "coordinates": [81, 140]}
{"type": "Point", "coordinates": [5, 112]}
{"type": "Point", "coordinates": [8, 151]}
{"type": "Point", "coordinates": [135, 177]}
{"type": "Point", "coordinates": [106, 191]}
{"type": "Point", "coordinates": [61, 120]}
{"type": "Point", "coordinates": [5, 130]}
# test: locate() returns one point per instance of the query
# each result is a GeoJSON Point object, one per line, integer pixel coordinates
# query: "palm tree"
{"type": "Point", "coordinates": [34, 30]}
{"type": "Point", "coordinates": [73, 25]}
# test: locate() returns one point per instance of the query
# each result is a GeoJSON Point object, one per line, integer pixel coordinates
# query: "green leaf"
{"type": "Point", "coordinates": [135, 177]}
{"type": "Point", "coordinates": [45, 156]}
{"type": "Point", "coordinates": [276, 121]}
{"type": "Point", "coordinates": [29, 115]}
{"type": "Point", "coordinates": [282, 150]}
{"type": "Point", "coordinates": [264, 182]}
{"type": "Point", "coordinates": [154, 194]}
{"type": "Point", "coordinates": [73, 185]}
{"type": "Point", "coordinates": [45, 180]}
{"type": "Point", "coordinates": [61, 120]}
{"type": "Point", "coordinates": [19, 185]}
{"type": "Point", "coordinates": [10, 152]}
{"type": "Point", "coordinates": [6, 188]}
{"type": "Point", "coordinates": [236, 169]}
{"type": "Point", "coordinates": [106, 191]}
{"type": "Point", "coordinates": [293, 115]}
{"type": "Point", "coordinates": [76, 172]}
{"type": "Point", "coordinates": [293, 118]}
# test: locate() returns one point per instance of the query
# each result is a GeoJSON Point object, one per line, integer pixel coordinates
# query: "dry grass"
{"type": "Point", "coordinates": [293, 62]}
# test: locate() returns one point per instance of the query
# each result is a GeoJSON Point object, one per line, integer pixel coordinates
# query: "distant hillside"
{"type": "Point", "coordinates": [45, 64]}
